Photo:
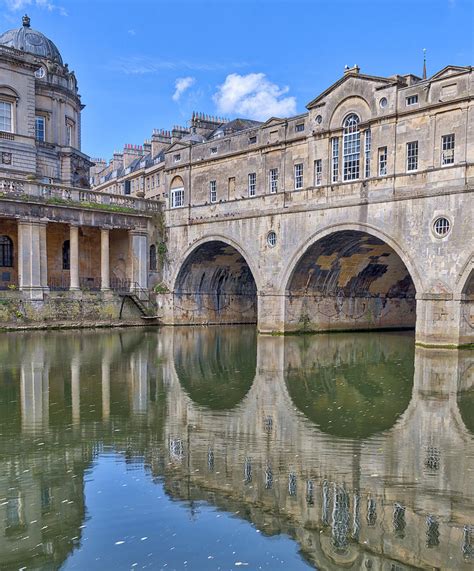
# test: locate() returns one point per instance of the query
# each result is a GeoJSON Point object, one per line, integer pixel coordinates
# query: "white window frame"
{"type": "Point", "coordinates": [411, 99]}
{"type": "Point", "coordinates": [212, 191]}
{"type": "Point", "coordinates": [318, 172]}
{"type": "Point", "coordinates": [38, 120]}
{"type": "Point", "coordinates": [382, 155]}
{"type": "Point", "coordinates": [299, 176]}
{"type": "Point", "coordinates": [412, 156]}
{"type": "Point", "coordinates": [4, 117]}
{"type": "Point", "coordinates": [252, 184]}
{"type": "Point", "coordinates": [447, 149]}
{"type": "Point", "coordinates": [334, 159]}
{"type": "Point", "coordinates": [177, 197]}
{"type": "Point", "coordinates": [273, 181]}
{"type": "Point", "coordinates": [351, 148]}
{"type": "Point", "coordinates": [367, 152]}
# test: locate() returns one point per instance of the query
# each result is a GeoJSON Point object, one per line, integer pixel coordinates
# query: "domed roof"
{"type": "Point", "coordinates": [28, 40]}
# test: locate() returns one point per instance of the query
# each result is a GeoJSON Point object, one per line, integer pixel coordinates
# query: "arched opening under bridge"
{"type": "Point", "coordinates": [215, 285]}
{"type": "Point", "coordinates": [350, 280]}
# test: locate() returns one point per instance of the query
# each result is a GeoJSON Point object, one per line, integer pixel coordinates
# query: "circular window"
{"type": "Point", "coordinates": [383, 102]}
{"type": "Point", "coordinates": [441, 227]}
{"type": "Point", "coordinates": [40, 73]}
{"type": "Point", "coordinates": [319, 119]}
{"type": "Point", "coordinates": [271, 239]}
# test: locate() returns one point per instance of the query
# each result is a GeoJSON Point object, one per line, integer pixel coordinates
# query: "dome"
{"type": "Point", "coordinates": [28, 40]}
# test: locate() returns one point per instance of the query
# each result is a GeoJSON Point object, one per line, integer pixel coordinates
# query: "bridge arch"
{"type": "Point", "coordinates": [350, 276]}
{"type": "Point", "coordinates": [215, 284]}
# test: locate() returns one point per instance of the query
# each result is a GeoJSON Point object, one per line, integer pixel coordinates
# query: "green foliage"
{"type": "Point", "coordinates": [161, 288]}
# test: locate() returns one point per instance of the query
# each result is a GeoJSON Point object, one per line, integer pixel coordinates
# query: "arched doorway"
{"type": "Point", "coordinates": [215, 285]}
{"type": "Point", "coordinates": [350, 280]}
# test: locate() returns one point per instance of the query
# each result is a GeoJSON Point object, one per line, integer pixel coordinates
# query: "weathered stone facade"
{"type": "Point", "coordinates": [355, 215]}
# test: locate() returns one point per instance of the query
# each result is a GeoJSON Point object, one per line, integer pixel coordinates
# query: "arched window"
{"type": "Point", "coordinates": [153, 258]}
{"type": "Point", "coordinates": [66, 255]}
{"type": "Point", "coordinates": [6, 252]}
{"type": "Point", "coordinates": [177, 192]}
{"type": "Point", "coordinates": [351, 148]}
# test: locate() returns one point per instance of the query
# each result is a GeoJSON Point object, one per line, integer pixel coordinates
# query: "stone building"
{"type": "Point", "coordinates": [55, 233]}
{"type": "Point", "coordinates": [356, 214]}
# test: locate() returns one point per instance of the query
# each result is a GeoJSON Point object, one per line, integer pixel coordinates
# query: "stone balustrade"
{"type": "Point", "coordinates": [70, 196]}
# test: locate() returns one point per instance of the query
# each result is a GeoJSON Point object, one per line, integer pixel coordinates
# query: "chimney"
{"type": "Point", "coordinates": [160, 139]}
{"type": "Point", "coordinates": [130, 153]}
{"type": "Point", "coordinates": [178, 133]}
{"type": "Point", "coordinates": [203, 124]}
{"type": "Point", "coordinates": [146, 147]}
{"type": "Point", "coordinates": [355, 69]}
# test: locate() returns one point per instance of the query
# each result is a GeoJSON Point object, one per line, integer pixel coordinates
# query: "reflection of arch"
{"type": "Point", "coordinates": [466, 409]}
{"type": "Point", "coordinates": [215, 367]}
{"type": "Point", "coordinates": [350, 394]}
{"type": "Point", "coordinates": [215, 284]}
{"type": "Point", "coordinates": [348, 278]}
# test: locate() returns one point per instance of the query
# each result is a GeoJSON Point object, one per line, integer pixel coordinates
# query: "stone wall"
{"type": "Point", "coordinates": [63, 309]}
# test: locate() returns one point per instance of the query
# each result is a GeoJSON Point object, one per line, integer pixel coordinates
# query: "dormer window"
{"type": "Point", "coordinates": [411, 100]}
{"type": "Point", "coordinates": [252, 140]}
{"type": "Point", "coordinates": [213, 151]}
{"type": "Point", "coordinates": [351, 148]}
{"type": "Point", "coordinates": [299, 127]}
{"type": "Point", "coordinates": [177, 158]}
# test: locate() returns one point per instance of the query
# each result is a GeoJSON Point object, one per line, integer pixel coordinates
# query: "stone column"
{"type": "Point", "coordinates": [438, 321]}
{"type": "Point", "coordinates": [34, 390]}
{"type": "Point", "coordinates": [139, 374]}
{"type": "Point", "coordinates": [104, 259]}
{"type": "Point", "coordinates": [271, 311]}
{"type": "Point", "coordinates": [32, 258]}
{"type": "Point", "coordinates": [139, 259]}
{"type": "Point", "coordinates": [74, 258]}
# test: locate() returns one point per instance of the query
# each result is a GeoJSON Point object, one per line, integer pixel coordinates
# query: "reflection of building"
{"type": "Point", "coordinates": [55, 233]}
{"type": "Point", "coordinates": [219, 415]}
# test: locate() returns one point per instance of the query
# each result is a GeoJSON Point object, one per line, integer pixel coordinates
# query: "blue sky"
{"type": "Point", "coordinates": [144, 64]}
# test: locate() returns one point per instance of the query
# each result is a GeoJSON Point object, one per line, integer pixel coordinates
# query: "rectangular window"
{"type": "Point", "coordinates": [298, 176]}
{"type": "Point", "coordinates": [273, 180]}
{"type": "Point", "coordinates": [412, 156]}
{"type": "Point", "coordinates": [368, 147]}
{"type": "Point", "coordinates": [299, 127]}
{"type": "Point", "coordinates": [213, 150]}
{"type": "Point", "coordinates": [351, 151]}
{"type": "Point", "coordinates": [126, 187]}
{"type": "Point", "coordinates": [335, 159]}
{"type": "Point", "coordinates": [69, 141]}
{"type": "Point", "coordinates": [177, 197]}
{"type": "Point", "coordinates": [318, 172]}
{"type": "Point", "coordinates": [39, 128]}
{"type": "Point", "coordinates": [177, 158]}
{"type": "Point", "coordinates": [447, 149]}
{"type": "Point", "coordinates": [5, 116]}
{"type": "Point", "coordinates": [252, 184]}
{"type": "Point", "coordinates": [213, 191]}
{"type": "Point", "coordinates": [411, 99]}
{"type": "Point", "coordinates": [252, 140]}
{"type": "Point", "coordinates": [158, 179]}
{"type": "Point", "coordinates": [382, 154]}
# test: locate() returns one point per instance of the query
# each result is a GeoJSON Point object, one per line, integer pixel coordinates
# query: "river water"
{"type": "Point", "coordinates": [214, 448]}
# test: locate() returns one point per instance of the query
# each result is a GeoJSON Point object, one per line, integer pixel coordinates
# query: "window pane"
{"type": "Point", "coordinates": [5, 116]}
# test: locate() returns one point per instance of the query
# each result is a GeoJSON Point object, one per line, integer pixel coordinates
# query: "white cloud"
{"type": "Point", "coordinates": [142, 65]}
{"type": "Point", "coordinates": [254, 97]}
{"type": "Point", "coordinates": [131, 32]}
{"type": "Point", "coordinates": [16, 5]}
{"type": "Point", "coordinates": [181, 84]}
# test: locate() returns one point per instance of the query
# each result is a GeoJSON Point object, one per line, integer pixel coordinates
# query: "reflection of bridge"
{"type": "Point", "coordinates": [397, 495]}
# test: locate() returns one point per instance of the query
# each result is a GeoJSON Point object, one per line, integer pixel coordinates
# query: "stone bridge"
{"type": "Point", "coordinates": [356, 258]}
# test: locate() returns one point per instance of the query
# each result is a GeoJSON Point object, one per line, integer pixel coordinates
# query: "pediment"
{"type": "Point", "coordinates": [272, 122]}
{"type": "Point", "coordinates": [450, 70]}
{"type": "Point", "coordinates": [339, 85]}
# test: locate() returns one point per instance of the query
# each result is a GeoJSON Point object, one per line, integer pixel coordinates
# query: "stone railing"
{"type": "Point", "coordinates": [71, 196]}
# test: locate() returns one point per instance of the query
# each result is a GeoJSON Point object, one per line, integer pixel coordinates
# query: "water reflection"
{"type": "Point", "coordinates": [359, 447]}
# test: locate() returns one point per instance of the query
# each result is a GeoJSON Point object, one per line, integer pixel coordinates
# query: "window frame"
{"type": "Point", "coordinates": [177, 197]}
{"type": "Point", "coordinates": [382, 161]}
{"type": "Point", "coordinates": [252, 184]}
{"type": "Point", "coordinates": [8, 103]}
{"type": "Point", "coordinates": [7, 253]}
{"type": "Point", "coordinates": [351, 148]}
{"type": "Point", "coordinates": [318, 172]}
{"type": "Point", "coordinates": [298, 176]}
{"type": "Point", "coordinates": [411, 99]}
{"type": "Point", "coordinates": [40, 119]}
{"type": "Point", "coordinates": [412, 155]}
{"type": "Point", "coordinates": [367, 152]}
{"type": "Point", "coordinates": [299, 127]}
{"type": "Point", "coordinates": [273, 180]}
{"type": "Point", "coordinates": [212, 191]}
{"type": "Point", "coordinates": [334, 159]}
{"type": "Point", "coordinates": [448, 143]}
